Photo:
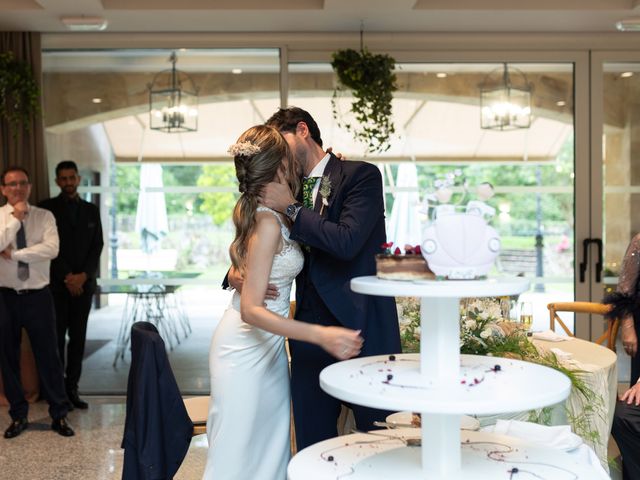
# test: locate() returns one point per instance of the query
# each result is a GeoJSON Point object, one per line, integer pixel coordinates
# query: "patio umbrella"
{"type": "Point", "coordinates": [404, 224]}
{"type": "Point", "coordinates": [151, 216]}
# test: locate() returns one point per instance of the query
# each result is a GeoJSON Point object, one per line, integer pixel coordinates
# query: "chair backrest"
{"type": "Point", "coordinates": [585, 307]}
{"type": "Point", "coordinates": [157, 430]}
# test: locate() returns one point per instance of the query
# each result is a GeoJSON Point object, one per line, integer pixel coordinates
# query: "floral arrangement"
{"type": "Point", "coordinates": [486, 330]}
{"type": "Point", "coordinates": [19, 92]}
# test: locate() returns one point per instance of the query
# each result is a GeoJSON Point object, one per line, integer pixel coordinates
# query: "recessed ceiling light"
{"type": "Point", "coordinates": [441, 75]}
{"type": "Point", "coordinates": [236, 71]}
{"type": "Point", "coordinates": [84, 24]}
{"type": "Point", "coordinates": [629, 25]}
{"type": "Point", "coordinates": [96, 100]}
{"type": "Point", "coordinates": [561, 103]}
{"type": "Point", "coordinates": [626, 74]}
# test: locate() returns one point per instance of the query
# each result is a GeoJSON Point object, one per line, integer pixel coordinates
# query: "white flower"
{"type": "Point", "coordinates": [470, 324]}
{"type": "Point", "coordinates": [246, 149]}
{"type": "Point", "coordinates": [486, 333]}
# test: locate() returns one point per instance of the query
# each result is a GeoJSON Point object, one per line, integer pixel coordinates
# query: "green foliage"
{"type": "Point", "coordinates": [19, 92]}
{"type": "Point", "coordinates": [372, 82]}
{"type": "Point", "coordinates": [218, 205]}
{"type": "Point", "coordinates": [127, 177]}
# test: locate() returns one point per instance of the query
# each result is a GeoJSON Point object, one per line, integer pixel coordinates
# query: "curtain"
{"type": "Point", "coordinates": [26, 149]}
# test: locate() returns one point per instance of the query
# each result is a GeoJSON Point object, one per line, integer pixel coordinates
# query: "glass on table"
{"type": "Point", "coordinates": [525, 314]}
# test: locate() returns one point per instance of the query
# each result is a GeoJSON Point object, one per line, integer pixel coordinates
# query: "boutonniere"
{"type": "Point", "coordinates": [325, 191]}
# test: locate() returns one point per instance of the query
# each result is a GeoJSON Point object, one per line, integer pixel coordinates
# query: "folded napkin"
{"type": "Point", "coordinates": [550, 336]}
{"type": "Point", "coordinates": [561, 354]}
{"type": "Point", "coordinates": [559, 437]}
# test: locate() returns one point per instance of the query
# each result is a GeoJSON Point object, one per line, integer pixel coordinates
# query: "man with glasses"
{"type": "Point", "coordinates": [28, 243]}
{"type": "Point", "coordinates": [74, 271]}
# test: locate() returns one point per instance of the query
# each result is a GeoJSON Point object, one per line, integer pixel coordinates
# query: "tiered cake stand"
{"type": "Point", "coordinates": [442, 385]}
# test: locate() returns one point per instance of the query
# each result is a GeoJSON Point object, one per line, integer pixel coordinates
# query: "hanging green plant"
{"type": "Point", "coordinates": [19, 92]}
{"type": "Point", "coordinates": [371, 80]}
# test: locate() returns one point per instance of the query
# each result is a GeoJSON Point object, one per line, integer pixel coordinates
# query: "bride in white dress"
{"type": "Point", "coordinates": [248, 423]}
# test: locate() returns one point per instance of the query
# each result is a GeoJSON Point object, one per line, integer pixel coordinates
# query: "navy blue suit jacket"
{"type": "Point", "coordinates": [343, 242]}
{"type": "Point", "coordinates": [157, 430]}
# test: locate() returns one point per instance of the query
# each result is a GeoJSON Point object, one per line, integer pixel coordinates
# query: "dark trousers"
{"type": "Point", "coordinates": [315, 412]}
{"type": "Point", "coordinates": [626, 432]}
{"type": "Point", "coordinates": [34, 312]}
{"type": "Point", "coordinates": [72, 314]}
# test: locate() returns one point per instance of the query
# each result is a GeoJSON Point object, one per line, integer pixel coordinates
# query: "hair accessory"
{"type": "Point", "coordinates": [245, 149]}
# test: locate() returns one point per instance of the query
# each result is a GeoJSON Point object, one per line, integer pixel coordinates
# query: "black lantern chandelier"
{"type": "Point", "coordinates": [173, 101]}
{"type": "Point", "coordinates": [505, 100]}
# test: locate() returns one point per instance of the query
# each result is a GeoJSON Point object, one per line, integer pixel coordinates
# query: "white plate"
{"type": "Point", "coordinates": [404, 419]}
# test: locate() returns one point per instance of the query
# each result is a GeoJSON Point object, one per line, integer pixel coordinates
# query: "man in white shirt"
{"type": "Point", "coordinates": [28, 242]}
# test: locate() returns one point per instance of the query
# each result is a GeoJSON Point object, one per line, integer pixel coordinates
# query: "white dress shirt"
{"type": "Point", "coordinates": [42, 246]}
{"type": "Point", "coordinates": [318, 172]}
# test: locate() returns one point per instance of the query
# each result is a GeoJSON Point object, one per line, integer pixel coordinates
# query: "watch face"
{"type": "Point", "coordinates": [291, 209]}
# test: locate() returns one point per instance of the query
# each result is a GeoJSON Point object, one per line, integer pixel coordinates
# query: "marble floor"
{"type": "Point", "coordinates": [93, 453]}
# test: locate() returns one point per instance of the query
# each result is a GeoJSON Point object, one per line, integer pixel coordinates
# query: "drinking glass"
{"type": "Point", "coordinates": [526, 315]}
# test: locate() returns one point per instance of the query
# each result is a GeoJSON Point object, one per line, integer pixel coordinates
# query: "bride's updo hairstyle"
{"type": "Point", "coordinates": [257, 155]}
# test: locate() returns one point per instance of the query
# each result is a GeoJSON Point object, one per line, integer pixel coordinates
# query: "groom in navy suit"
{"type": "Point", "coordinates": [341, 228]}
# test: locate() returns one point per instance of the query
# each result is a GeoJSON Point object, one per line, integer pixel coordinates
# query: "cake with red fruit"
{"type": "Point", "coordinates": [398, 266]}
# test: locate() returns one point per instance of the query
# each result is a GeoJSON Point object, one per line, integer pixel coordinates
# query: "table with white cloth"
{"type": "Point", "coordinates": [600, 375]}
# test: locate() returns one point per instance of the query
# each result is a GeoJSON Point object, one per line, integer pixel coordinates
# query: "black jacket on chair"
{"type": "Point", "coordinates": [157, 430]}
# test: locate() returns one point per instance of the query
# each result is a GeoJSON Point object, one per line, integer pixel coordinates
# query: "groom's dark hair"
{"type": "Point", "coordinates": [287, 119]}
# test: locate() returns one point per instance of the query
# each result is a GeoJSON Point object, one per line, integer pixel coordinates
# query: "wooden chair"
{"type": "Point", "coordinates": [198, 411]}
{"type": "Point", "coordinates": [585, 307]}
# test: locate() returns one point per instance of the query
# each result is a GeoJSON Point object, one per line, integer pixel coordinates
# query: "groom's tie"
{"type": "Point", "coordinates": [307, 191]}
{"type": "Point", "coordinates": [21, 242]}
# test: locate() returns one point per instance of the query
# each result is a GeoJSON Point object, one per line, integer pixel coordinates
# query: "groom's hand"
{"type": "Point", "coordinates": [236, 280]}
{"type": "Point", "coordinates": [277, 194]}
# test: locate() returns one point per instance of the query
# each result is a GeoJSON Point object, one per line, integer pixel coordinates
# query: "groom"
{"type": "Point", "coordinates": [341, 228]}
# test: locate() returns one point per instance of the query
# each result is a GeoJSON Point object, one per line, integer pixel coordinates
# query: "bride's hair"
{"type": "Point", "coordinates": [258, 154]}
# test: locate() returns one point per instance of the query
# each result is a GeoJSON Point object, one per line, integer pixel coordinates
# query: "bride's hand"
{"type": "Point", "coordinates": [342, 343]}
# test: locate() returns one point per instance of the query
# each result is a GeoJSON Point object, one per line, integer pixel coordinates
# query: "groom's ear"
{"type": "Point", "coordinates": [302, 130]}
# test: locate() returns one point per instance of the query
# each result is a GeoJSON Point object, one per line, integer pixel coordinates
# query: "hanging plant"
{"type": "Point", "coordinates": [19, 92]}
{"type": "Point", "coordinates": [372, 83]}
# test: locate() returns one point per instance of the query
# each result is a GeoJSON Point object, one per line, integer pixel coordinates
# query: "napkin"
{"type": "Point", "coordinates": [559, 437]}
{"type": "Point", "coordinates": [561, 354]}
{"type": "Point", "coordinates": [550, 336]}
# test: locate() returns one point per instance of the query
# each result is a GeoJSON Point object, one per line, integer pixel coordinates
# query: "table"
{"type": "Point", "coordinates": [601, 375]}
{"type": "Point", "coordinates": [158, 303]}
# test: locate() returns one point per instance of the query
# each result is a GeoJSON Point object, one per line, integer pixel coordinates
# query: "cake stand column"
{"type": "Point", "coordinates": [440, 367]}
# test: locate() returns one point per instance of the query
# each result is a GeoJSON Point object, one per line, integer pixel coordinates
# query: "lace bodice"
{"type": "Point", "coordinates": [286, 265]}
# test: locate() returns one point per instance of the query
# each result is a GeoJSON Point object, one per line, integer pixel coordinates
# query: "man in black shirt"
{"type": "Point", "coordinates": [74, 271]}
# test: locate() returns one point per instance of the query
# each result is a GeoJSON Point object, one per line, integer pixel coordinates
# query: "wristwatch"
{"type": "Point", "coordinates": [292, 211]}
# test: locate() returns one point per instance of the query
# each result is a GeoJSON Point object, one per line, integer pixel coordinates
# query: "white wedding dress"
{"type": "Point", "coordinates": [248, 423]}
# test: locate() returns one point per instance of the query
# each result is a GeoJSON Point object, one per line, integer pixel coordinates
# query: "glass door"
{"type": "Point", "coordinates": [616, 170]}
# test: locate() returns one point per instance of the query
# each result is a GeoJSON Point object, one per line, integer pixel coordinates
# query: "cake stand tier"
{"type": "Point", "coordinates": [481, 388]}
{"type": "Point", "coordinates": [484, 456]}
{"type": "Point", "coordinates": [492, 287]}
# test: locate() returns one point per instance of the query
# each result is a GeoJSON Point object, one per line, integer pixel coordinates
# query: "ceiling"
{"type": "Point", "coordinates": [323, 15]}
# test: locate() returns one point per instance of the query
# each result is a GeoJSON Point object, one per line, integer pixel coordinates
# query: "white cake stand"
{"type": "Point", "coordinates": [438, 385]}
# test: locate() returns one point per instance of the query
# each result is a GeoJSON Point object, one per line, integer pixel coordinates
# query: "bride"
{"type": "Point", "coordinates": [248, 423]}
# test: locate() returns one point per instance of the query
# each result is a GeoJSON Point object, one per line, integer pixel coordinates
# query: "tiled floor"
{"type": "Point", "coordinates": [93, 453]}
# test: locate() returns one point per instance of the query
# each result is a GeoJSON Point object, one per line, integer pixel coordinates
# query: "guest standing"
{"type": "Point", "coordinates": [626, 432]}
{"type": "Point", "coordinates": [626, 306]}
{"type": "Point", "coordinates": [74, 271]}
{"type": "Point", "coordinates": [28, 243]}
